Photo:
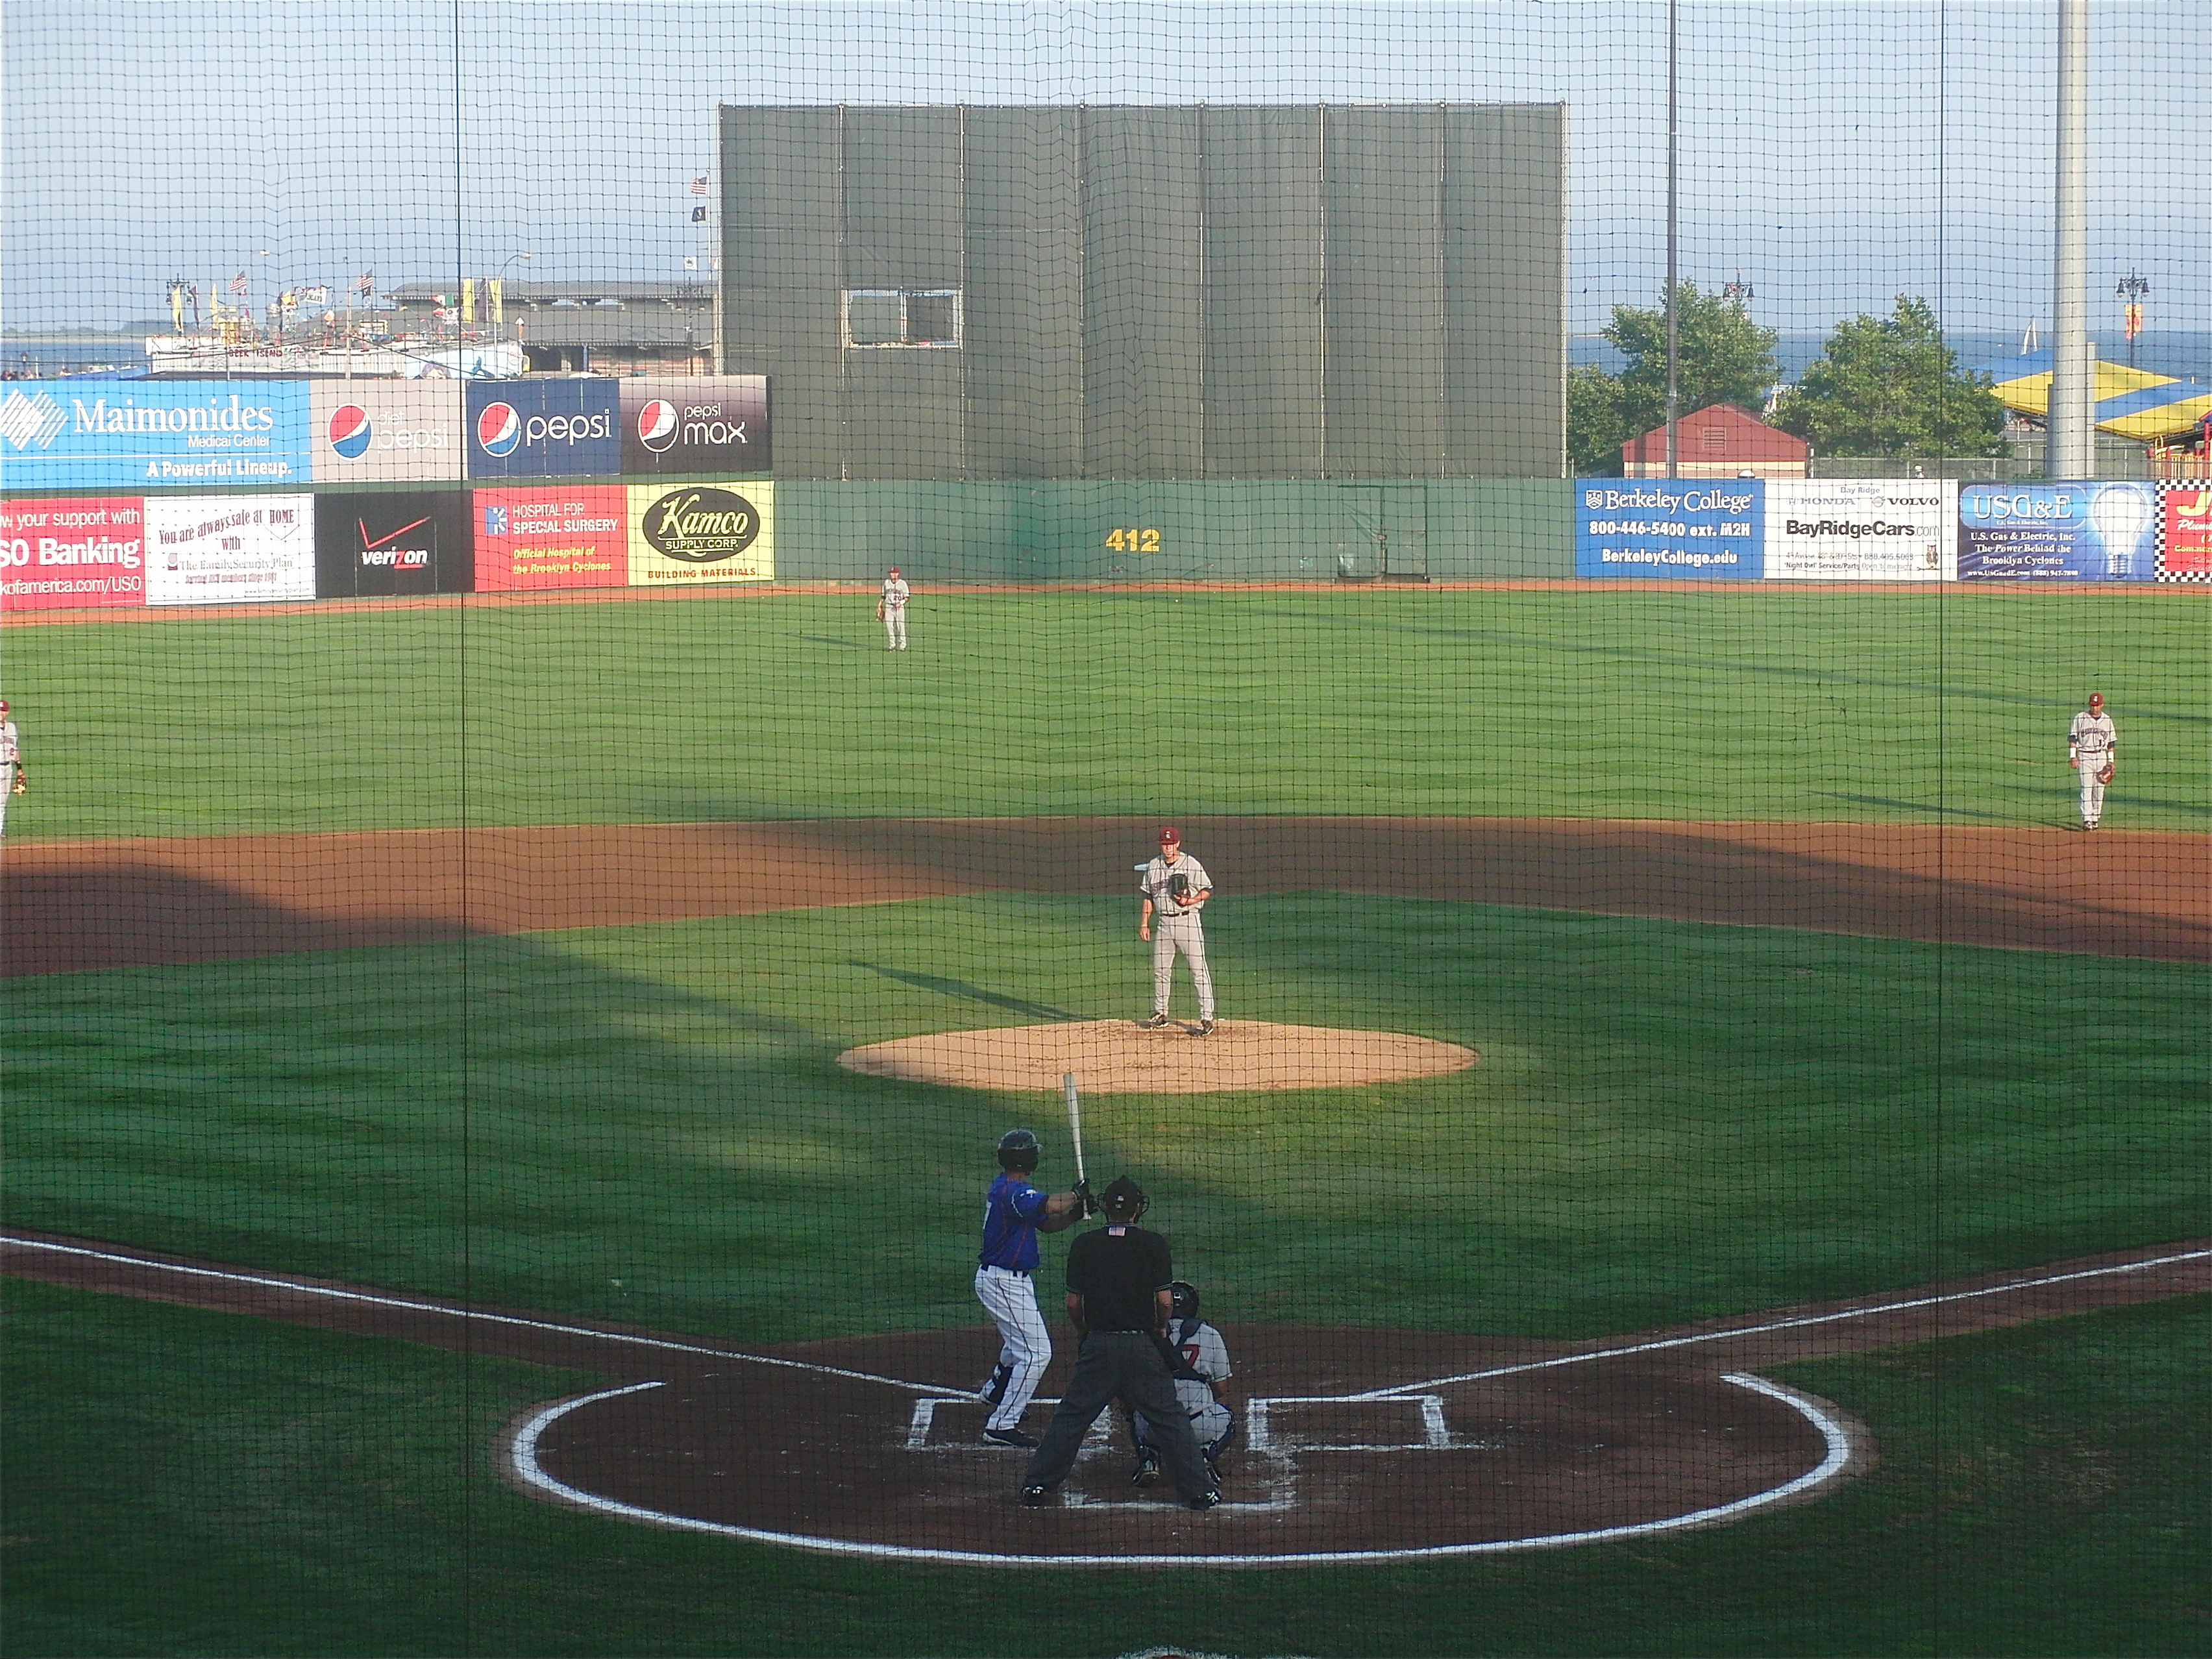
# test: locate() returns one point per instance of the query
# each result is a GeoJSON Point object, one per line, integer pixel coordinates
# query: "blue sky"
{"type": "Point", "coordinates": [1838, 154]}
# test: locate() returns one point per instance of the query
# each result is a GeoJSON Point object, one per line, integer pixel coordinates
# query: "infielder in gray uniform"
{"type": "Point", "coordinates": [11, 764]}
{"type": "Point", "coordinates": [1175, 885]}
{"type": "Point", "coordinates": [2093, 748]}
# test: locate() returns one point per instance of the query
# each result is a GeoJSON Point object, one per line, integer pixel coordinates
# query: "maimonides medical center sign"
{"type": "Point", "coordinates": [133, 434]}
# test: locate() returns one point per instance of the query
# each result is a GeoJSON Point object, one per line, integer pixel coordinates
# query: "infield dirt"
{"type": "Point", "coordinates": [69, 906]}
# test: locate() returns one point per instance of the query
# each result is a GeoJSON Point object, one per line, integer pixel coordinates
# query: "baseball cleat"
{"type": "Point", "coordinates": [1012, 1437]}
{"type": "Point", "coordinates": [1157, 1022]}
{"type": "Point", "coordinates": [1035, 1497]}
{"type": "Point", "coordinates": [1203, 1501]}
{"type": "Point", "coordinates": [1145, 1472]}
{"type": "Point", "coordinates": [1205, 1028]}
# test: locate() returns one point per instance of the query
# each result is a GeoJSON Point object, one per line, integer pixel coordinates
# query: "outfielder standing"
{"type": "Point", "coordinates": [890, 610]}
{"type": "Point", "coordinates": [1175, 885]}
{"type": "Point", "coordinates": [1014, 1216]}
{"type": "Point", "coordinates": [2092, 749]}
{"type": "Point", "coordinates": [11, 764]}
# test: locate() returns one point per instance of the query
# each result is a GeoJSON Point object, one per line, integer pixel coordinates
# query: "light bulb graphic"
{"type": "Point", "coordinates": [2119, 514]}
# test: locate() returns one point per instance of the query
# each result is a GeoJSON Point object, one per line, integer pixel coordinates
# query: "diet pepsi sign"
{"type": "Point", "coordinates": [387, 431]}
{"type": "Point", "coordinates": [566, 428]}
{"type": "Point", "coordinates": [698, 424]}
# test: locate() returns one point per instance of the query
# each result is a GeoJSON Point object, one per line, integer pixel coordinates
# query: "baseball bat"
{"type": "Point", "coordinates": [1074, 1119]}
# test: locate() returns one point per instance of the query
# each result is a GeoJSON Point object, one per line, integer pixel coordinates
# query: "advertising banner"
{"type": "Point", "coordinates": [1888, 530]}
{"type": "Point", "coordinates": [81, 550]}
{"type": "Point", "coordinates": [229, 549]}
{"type": "Point", "coordinates": [410, 542]}
{"type": "Point", "coordinates": [2184, 536]}
{"type": "Point", "coordinates": [543, 429]}
{"type": "Point", "coordinates": [702, 533]}
{"type": "Point", "coordinates": [572, 537]}
{"type": "Point", "coordinates": [701, 424]}
{"type": "Point", "coordinates": [2068, 532]}
{"type": "Point", "coordinates": [129, 435]}
{"type": "Point", "coordinates": [1669, 527]}
{"type": "Point", "coordinates": [386, 431]}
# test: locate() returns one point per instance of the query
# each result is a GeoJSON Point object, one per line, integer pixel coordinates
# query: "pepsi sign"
{"type": "Point", "coordinates": [386, 431]}
{"type": "Point", "coordinates": [699, 424]}
{"type": "Point", "coordinates": [565, 428]}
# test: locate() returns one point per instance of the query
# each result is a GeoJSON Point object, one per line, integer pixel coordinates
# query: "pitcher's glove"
{"type": "Point", "coordinates": [2104, 773]}
{"type": "Point", "coordinates": [1179, 887]}
{"type": "Point", "coordinates": [19, 787]}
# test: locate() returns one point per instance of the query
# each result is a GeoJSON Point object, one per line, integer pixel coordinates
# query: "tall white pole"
{"type": "Point", "coordinates": [2071, 448]}
{"type": "Point", "coordinates": [1673, 235]}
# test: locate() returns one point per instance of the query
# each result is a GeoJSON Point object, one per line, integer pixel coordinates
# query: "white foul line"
{"type": "Point", "coordinates": [1776, 1325]}
{"type": "Point", "coordinates": [523, 1453]}
{"type": "Point", "coordinates": [336, 1295]}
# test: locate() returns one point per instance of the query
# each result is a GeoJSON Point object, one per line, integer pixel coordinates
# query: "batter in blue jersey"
{"type": "Point", "coordinates": [1013, 1215]}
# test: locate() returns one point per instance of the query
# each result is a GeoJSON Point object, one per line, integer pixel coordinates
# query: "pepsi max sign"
{"type": "Point", "coordinates": [386, 431]}
{"type": "Point", "coordinates": [702, 425]}
{"type": "Point", "coordinates": [543, 429]}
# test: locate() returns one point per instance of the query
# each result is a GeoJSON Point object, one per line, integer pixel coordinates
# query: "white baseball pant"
{"type": "Point", "coordinates": [1186, 935]}
{"type": "Point", "coordinates": [1025, 1346]}
{"type": "Point", "coordinates": [894, 628]}
{"type": "Point", "coordinates": [2093, 792]}
{"type": "Point", "coordinates": [7, 791]}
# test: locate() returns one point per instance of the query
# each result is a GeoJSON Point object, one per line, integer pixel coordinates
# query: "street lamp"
{"type": "Point", "coordinates": [2132, 289]}
{"type": "Point", "coordinates": [498, 294]}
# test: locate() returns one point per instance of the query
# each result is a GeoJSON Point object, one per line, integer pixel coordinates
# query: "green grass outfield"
{"type": "Point", "coordinates": [1771, 703]}
{"type": "Point", "coordinates": [1670, 1120]}
{"type": "Point", "coordinates": [183, 1482]}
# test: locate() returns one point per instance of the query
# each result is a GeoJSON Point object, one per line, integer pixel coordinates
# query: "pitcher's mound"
{"type": "Point", "coordinates": [1118, 1056]}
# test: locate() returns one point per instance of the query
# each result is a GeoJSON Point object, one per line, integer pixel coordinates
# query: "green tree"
{"type": "Point", "coordinates": [1888, 385]}
{"type": "Point", "coordinates": [1724, 358]}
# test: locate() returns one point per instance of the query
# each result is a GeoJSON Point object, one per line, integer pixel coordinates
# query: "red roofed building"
{"type": "Point", "coordinates": [1723, 442]}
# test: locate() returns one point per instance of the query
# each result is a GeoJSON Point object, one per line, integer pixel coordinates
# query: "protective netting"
{"type": "Point", "coordinates": [636, 631]}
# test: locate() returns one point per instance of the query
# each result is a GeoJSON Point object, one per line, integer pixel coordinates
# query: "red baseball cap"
{"type": "Point", "coordinates": [2095, 697]}
{"type": "Point", "coordinates": [1169, 833]}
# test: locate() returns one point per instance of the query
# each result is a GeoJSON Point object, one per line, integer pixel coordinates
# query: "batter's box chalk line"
{"type": "Point", "coordinates": [1098, 1442]}
{"type": "Point", "coordinates": [522, 1440]}
{"type": "Point", "coordinates": [1261, 1434]}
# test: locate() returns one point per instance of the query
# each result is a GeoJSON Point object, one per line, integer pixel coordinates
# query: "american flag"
{"type": "Point", "coordinates": [364, 283]}
{"type": "Point", "coordinates": [698, 186]}
{"type": "Point", "coordinates": [237, 286]}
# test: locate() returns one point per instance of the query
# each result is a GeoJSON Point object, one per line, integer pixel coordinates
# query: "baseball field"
{"type": "Point", "coordinates": [438, 1222]}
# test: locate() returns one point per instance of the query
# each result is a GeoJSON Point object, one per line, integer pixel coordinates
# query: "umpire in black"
{"type": "Point", "coordinates": [1117, 1295]}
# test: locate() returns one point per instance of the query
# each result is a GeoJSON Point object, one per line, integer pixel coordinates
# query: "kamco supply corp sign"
{"type": "Point", "coordinates": [702, 533]}
{"type": "Point", "coordinates": [131, 434]}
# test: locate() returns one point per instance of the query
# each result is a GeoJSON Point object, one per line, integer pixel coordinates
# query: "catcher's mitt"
{"type": "Point", "coordinates": [2104, 773]}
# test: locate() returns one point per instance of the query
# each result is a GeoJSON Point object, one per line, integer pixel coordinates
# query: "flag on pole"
{"type": "Point", "coordinates": [468, 299]}
{"type": "Point", "coordinates": [698, 215]}
{"type": "Point", "coordinates": [365, 284]}
{"type": "Point", "coordinates": [237, 286]}
{"type": "Point", "coordinates": [698, 186]}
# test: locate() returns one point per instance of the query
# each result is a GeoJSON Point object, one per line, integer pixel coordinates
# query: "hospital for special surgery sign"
{"type": "Point", "coordinates": [1669, 527]}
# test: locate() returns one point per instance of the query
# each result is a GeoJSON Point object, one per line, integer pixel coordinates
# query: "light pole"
{"type": "Point", "coordinates": [2131, 290]}
{"type": "Point", "coordinates": [2070, 442]}
{"type": "Point", "coordinates": [499, 294]}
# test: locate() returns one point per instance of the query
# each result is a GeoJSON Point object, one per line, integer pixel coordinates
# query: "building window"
{"type": "Point", "coordinates": [903, 316]}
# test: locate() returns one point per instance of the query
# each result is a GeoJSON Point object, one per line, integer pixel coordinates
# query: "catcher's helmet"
{"type": "Point", "coordinates": [1186, 1298]}
{"type": "Point", "coordinates": [1019, 1149]}
{"type": "Point", "coordinates": [1123, 1200]}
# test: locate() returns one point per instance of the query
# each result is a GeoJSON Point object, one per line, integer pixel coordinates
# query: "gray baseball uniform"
{"type": "Point", "coordinates": [1175, 928]}
{"type": "Point", "coordinates": [2092, 744]}
{"type": "Point", "coordinates": [11, 760]}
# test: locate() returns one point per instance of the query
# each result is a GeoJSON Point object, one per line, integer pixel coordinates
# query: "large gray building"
{"type": "Point", "coordinates": [1210, 292]}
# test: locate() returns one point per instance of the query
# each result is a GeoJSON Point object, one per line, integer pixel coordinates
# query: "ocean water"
{"type": "Point", "coordinates": [2185, 355]}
